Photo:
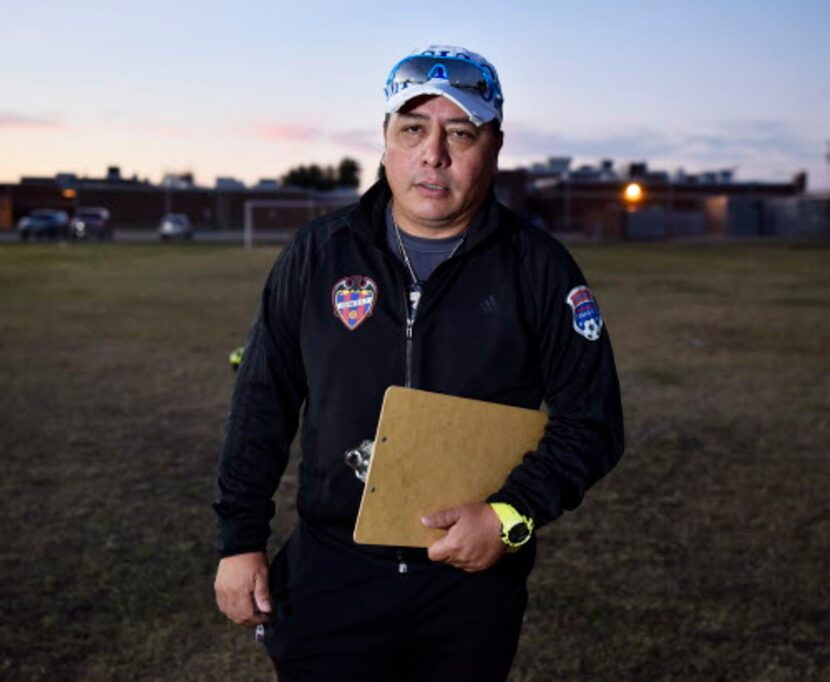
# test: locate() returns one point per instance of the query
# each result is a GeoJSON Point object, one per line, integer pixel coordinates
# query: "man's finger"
{"type": "Point", "coordinates": [244, 611]}
{"type": "Point", "coordinates": [439, 550]}
{"type": "Point", "coordinates": [253, 620]}
{"type": "Point", "coordinates": [262, 595]}
{"type": "Point", "coordinates": [442, 519]}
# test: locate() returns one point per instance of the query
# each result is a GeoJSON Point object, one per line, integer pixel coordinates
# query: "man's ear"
{"type": "Point", "coordinates": [497, 145]}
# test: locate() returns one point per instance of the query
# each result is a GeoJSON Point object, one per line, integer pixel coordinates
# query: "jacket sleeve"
{"type": "Point", "coordinates": [583, 438]}
{"type": "Point", "coordinates": [270, 389]}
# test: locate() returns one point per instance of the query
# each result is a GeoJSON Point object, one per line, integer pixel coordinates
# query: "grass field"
{"type": "Point", "coordinates": [704, 556]}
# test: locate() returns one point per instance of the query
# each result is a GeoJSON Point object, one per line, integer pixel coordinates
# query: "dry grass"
{"type": "Point", "coordinates": [704, 556]}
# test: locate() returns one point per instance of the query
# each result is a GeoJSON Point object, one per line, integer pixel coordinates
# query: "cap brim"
{"type": "Point", "coordinates": [475, 107]}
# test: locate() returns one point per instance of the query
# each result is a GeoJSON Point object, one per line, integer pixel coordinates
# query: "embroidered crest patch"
{"type": "Point", "coordinates": [354, 300]}
{"type": "Point", "coordinates": [586, 317]}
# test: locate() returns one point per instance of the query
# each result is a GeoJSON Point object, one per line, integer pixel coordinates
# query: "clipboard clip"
{"type": "Point", "coordinates": [358, 459]}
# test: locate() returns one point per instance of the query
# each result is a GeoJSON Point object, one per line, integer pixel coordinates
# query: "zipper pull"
{"type": "Point", "coordinates": [414, 297]}
{"type": "Point", "coordinates": [409, 324]}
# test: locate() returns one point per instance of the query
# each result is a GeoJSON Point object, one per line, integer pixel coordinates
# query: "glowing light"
{"type": "Point", "coordinates": [68, 194]}
{"type": "Point", "coordinates": [633, 193]}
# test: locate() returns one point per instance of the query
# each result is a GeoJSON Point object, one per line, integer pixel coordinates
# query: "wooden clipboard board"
{"type": "Point", "coordinates": [434, 451]}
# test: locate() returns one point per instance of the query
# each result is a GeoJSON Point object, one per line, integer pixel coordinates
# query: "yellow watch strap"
{"type": "Point", "coordinates": [510, 517]}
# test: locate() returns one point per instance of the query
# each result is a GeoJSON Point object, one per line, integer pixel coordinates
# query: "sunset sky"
{"type": "Point", "coordinates": [249, 89]}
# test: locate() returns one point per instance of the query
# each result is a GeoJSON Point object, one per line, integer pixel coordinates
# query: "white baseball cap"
{"type": "Point", "coordinates": [456, 73]}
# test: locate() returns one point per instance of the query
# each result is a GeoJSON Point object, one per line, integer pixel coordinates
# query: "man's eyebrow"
{"type": "Point", "coordinates": [423, 117]}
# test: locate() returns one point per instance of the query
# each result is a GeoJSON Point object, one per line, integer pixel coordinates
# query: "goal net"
{"type": "Point", "coordinates": [278, 219]}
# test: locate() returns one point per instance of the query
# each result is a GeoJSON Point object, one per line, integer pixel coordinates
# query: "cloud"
{"type": "Point", "coordinates": [749, 138]}
{"type": "Point", "coordinates": [635, 143]}
{"type": "Point", "coordinates": [754, 145]}
{"type": "Point", "coordinates": [15, 119]}
{"type": "Point", "coordinates": [287, 132]}
{"type": "Point", "coordinates": [361, 141]}
{"type": "Point", "coordinates": [158, 128]}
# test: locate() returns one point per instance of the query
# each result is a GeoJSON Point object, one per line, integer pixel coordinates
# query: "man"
{"type": "Point", "coordinates": [427, 282]}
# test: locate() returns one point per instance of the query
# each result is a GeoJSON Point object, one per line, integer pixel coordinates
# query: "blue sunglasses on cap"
{"type": "Point", "coordinates": [459, 72]}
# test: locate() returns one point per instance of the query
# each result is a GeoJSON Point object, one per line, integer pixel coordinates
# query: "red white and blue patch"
{"type": "Point", "coordinates": [586, 317]}
{"type": "Point", "coordinates": [354, 300]}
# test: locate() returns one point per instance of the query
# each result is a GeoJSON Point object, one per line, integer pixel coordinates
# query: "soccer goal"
{"type": "Point", "coordinates": [278, 219]}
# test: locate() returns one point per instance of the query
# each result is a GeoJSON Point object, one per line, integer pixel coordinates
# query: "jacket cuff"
{"type": "Point", "coordinates": [233, 551]}
{"type": "Point", "coordinates": [540, 511]}
{"type": "Point", "coordinates": [235, 538]}
{"type": "Point", "coordinates": [505, 498]}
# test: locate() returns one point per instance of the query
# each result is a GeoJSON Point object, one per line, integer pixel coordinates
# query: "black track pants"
{"type": "Point", "coordinates": [341, 615]}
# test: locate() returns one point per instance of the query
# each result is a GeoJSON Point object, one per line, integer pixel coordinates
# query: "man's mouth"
{"type": "Point", "coordinates": [433, 186]}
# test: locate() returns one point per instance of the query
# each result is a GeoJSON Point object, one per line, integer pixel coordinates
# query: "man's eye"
{"type": "Point", "coordinates": [463, 134]}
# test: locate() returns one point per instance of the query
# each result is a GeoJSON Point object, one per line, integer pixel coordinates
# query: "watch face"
{"type": "Point", "coordinates": [518, 533]}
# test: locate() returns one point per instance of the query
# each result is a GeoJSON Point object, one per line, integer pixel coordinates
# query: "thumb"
{"type": "Point", "coordinates": [262, 596]}
{"type": "Point", "coordinates": [442, 519]}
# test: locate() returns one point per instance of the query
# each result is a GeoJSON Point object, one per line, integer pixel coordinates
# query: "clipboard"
{"type": "Point", "coordinates": [434, 451]}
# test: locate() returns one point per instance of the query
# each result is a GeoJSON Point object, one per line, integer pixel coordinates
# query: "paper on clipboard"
{"type": "Point", "coordinates": [434, 451]}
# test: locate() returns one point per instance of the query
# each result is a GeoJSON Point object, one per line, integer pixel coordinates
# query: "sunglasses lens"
{"type": "Point", "coordinates": [460, 73]}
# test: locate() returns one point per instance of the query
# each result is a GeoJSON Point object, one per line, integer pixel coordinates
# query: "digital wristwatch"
{"type": "Point", "coordinates": [515, 528]}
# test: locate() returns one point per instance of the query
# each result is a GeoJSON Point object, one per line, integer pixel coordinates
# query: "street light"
{"type": "Point", "coordinates": [633, 194]}
{"type": "Point", "coordinates": [71, 195]}
{"type": "Point", "coordinates": [632, 197]}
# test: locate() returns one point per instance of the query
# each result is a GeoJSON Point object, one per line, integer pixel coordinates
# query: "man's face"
{"type": "Point", "coordinates": [439, 166]}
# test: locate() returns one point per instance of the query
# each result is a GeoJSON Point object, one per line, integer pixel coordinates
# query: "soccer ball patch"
{"type": "Point", "coordinates": [586, 318]}
{"type": "Point", "coordinates": [354, 300]}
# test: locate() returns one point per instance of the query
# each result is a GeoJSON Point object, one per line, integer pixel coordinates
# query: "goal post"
{"type": "Point", "coordinates": [280, 218]}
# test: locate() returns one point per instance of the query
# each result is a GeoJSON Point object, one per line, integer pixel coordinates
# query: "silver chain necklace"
{"type": "Point", "coordinates": [415, 281]}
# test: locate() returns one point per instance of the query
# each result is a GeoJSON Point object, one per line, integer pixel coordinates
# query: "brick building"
{"type": "Point", "coordinates": [592, 201]}
{"type": "Point", "coordinates": [586, 200]}
{"type": "Point", "coordinates": [138, 203]}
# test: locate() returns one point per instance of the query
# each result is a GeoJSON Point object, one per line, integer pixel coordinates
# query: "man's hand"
{"type": "Point", "coordinates": [473, 540]}
{"type": "Point", "coordinates": [242, 588]}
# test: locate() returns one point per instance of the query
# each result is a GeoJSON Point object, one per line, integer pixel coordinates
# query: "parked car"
{"type": "Point", "coordinates": [44, 223]}
{"type": "Point", "coordinates": [91, 221]}
{"type": "Point", "coordinates": [175, 226]}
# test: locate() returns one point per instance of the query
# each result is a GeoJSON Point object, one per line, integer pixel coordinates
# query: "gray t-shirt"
{"type": "Point", "coordinates": [424, 254]}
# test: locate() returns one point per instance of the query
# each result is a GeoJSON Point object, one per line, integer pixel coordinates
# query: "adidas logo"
{"type": "Point", "coordinates": [488, 306]}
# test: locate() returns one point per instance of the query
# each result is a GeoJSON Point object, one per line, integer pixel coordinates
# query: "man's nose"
{"type": "Point", "coordinates": [435, 153]}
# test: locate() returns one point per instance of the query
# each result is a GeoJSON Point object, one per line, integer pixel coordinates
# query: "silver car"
{"type": "Point", "coordinates": [90, 221]}
{"type": "Point", "coordinates": [175, 226]}
{"type": "Point", "coordinates": [44, 223]}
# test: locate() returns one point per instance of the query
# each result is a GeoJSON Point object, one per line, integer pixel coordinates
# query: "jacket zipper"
{"type": "Point", "coordinates": [411, 312]}
{"type": "Point", "coordinates": [412, 299]}
{"type": "Point", "coordinates": [410, 323]}
{"type": "Point", "coordinates": [411, 302]}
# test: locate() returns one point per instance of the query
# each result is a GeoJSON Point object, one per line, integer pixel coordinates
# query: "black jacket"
{"type": "Point", "coordinates": [493, 324]}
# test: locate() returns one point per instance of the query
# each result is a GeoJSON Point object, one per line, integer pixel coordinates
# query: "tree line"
{"type": "Point", "coordinates": [314, 176]}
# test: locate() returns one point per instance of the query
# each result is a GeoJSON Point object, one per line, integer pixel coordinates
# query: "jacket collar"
{"type": "Point", "coordinates": [368, 218]}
